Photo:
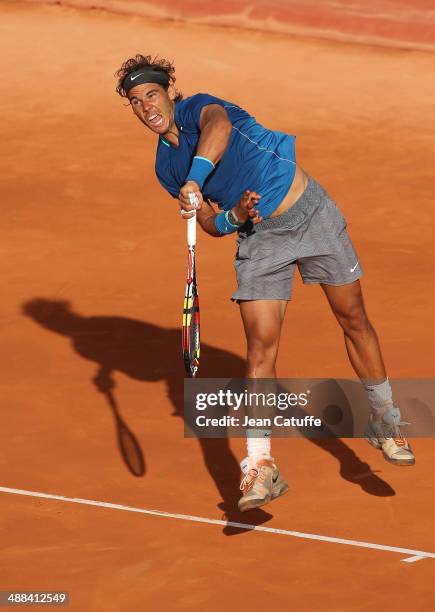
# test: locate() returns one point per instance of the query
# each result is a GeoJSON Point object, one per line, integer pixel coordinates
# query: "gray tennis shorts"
{"type": "Point", "coordinates": [310, 235]}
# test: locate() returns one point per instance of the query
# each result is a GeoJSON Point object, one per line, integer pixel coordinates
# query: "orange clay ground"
{"type": "Point", "coordinates": [93, 275]}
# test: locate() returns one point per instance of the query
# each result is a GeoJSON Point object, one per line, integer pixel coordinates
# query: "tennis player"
{"type": "Point", "coordinates": [284, 219]}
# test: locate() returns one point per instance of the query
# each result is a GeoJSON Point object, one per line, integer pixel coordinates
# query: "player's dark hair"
{"type": "Point", "coordinates": [146, 61]}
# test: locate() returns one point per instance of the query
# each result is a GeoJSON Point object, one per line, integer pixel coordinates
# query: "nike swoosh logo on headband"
{"type": "Point", "coordinates": [135, 77]}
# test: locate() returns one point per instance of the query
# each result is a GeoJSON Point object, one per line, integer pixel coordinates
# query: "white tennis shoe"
{"type": "Point", "coordinates": [260, 484]}
{"type": "Point", "coordinates": [383, 432]}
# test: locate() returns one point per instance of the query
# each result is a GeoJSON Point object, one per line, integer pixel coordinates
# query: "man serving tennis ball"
{"type": "Point", "coordinates": [284, 219]}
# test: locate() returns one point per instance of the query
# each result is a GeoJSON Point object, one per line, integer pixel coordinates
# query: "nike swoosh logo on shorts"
{"type": "Point", "coordinates": [275, 479]}
{"type": "Point", "coordinates": [135, 77]}
{"type": "Point", "coordinates": [355, 267]}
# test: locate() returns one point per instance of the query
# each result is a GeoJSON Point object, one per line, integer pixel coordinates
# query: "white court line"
{"type": "Point", "coordinates": [412, 555]}
{"type": "Point", "coordinates": [412, 559]}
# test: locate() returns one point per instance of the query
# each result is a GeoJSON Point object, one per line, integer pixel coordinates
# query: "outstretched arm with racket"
{"type": "Point", "coordinates": [215, 133]}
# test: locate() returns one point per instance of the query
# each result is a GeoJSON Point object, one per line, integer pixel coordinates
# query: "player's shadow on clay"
{"type": "Point", "coordinates": [147, 352]}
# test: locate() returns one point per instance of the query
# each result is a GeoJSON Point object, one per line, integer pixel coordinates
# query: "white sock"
{"type": "Point", "coordinates": [258, 444]}
{"type": "Point", "coordinates": [380, 396]}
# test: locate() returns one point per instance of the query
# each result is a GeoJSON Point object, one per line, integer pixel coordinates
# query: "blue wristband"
{"type": "Point", "coordinates": [199, 170]}
{"type": "Point", "coordinates": [222, 224]}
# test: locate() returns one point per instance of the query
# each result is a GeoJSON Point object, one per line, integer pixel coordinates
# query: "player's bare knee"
{"type": "Point", "coordinates": [262, 350]}
{"type": "Point", "coordinates": [354, 321]}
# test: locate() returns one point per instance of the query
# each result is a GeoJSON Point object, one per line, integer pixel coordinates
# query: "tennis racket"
{"type": "Point", "coordinates": [190, 326]}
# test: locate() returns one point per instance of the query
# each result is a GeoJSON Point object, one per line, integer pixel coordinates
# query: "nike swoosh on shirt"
{"type": "Point", "coordinates": [275, 479]}
{"type": "Point", "coordinates": [355, 267]}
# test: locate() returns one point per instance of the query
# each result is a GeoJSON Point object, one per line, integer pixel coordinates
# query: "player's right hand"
{"type": "Point", "coordinates": [184, 199]}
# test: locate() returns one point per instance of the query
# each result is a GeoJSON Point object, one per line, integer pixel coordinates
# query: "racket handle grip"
{"type": "Point", "coordinates": [191, 223]}
{"type": "Point", "coordinates": [191, 231]}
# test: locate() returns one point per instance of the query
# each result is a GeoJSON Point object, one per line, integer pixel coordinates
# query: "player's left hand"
{"type": "Point", "coordinates": [246, 207]}
{"type": "Point", "coordinates": [184, 198]}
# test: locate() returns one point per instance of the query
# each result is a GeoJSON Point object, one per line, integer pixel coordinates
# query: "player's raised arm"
{"type": "Point", "coordinates": [215, 129]}
{"type": "Point", "coordinates": [215, 132]}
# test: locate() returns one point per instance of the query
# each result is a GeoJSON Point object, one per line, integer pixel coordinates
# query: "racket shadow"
{"type": "Point", "coordinates": [140, 350]}
{"type": "Point", "coordinates": [128, 444]}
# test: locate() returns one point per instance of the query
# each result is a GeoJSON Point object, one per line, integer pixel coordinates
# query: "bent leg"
{"type": "Point", "coordinates": [262, 320]}
{"type": "Point", "coordinates": [361, 341]}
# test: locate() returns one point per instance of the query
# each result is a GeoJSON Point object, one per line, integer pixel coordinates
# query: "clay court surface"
{"type": "Point", "coordinates": [93, 267]}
